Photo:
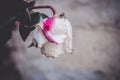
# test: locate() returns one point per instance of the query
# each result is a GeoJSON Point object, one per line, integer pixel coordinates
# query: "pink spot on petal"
{"type": "Point", "coordinates": [47, 26]}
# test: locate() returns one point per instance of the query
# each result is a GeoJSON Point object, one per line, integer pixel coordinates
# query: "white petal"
{"type": "Point", "coordinates": [59, 30]}
{"type": "Point", "coordinates": [39, 37]}
{"type": "Point", "coordinates": [68, 41]}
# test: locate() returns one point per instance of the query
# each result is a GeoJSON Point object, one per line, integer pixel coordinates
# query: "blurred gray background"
{"type": "Point", "coordinates": [96, 37]}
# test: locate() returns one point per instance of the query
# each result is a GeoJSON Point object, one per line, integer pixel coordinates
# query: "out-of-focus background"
{"type": "Point", "coordinates": [96, 36]}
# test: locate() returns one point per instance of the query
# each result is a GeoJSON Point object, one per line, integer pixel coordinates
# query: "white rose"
{"type": "Point", "coordinates": [53, 36]}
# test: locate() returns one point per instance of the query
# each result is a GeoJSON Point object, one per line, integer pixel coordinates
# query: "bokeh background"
{"type": "Point", "coordinates": [96, 37]}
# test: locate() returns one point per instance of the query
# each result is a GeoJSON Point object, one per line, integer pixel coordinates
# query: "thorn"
{"type": "Point", "coordinates": [62, 15]}
{"type": "Point", "coordinates": [31, 45]}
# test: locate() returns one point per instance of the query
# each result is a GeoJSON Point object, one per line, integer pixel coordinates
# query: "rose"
{"type": "Point", "coordinates": [53, 35]}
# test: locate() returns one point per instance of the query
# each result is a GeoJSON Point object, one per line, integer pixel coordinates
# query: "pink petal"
{"type": "Point", "coordinates": [47, 26]}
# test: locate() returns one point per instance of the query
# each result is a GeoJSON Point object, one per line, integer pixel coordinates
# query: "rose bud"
{"type": "Point", "coordinates": [53, 35]}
